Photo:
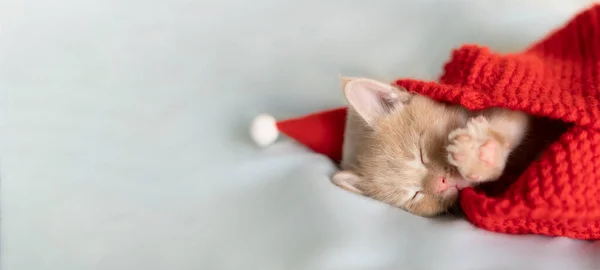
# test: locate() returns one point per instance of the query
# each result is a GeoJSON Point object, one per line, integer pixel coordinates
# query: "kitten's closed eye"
{"type": "Point", "coordinates": [422, 154]}
{"type": "Point", "coordinates": [417, 195]}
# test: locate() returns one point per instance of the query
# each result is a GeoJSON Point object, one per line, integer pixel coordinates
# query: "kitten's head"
{"type": "Point", "coordinates": [401, 158]}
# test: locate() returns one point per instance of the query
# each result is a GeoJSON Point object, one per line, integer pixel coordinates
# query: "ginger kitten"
{"type": "Point", "coordinates": [412, 152]}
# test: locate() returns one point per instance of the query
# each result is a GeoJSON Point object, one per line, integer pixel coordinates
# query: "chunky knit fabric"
{"type": "Point", "coordinates": [556, 78]}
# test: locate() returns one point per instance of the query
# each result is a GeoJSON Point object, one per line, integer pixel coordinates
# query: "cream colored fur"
{"type": "Point", "coordinates": [397, 144]}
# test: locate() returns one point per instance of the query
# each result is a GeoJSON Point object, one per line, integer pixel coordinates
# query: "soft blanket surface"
{"type": "Point", "coordinates": [125, 146]}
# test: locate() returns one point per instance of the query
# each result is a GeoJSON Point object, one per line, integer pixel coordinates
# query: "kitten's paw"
{"type": "Point", "coordinates": [477, 154]}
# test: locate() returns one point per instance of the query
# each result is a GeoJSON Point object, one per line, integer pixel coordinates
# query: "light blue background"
{"type": "Point", "coordinates": [125, 144]}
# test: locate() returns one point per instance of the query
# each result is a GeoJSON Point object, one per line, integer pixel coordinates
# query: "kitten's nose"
{"type": "Point", "coordinates": [442, 184]}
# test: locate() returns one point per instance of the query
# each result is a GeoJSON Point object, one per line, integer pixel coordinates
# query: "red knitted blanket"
{"type": "Point", "coordinates": [557, 78]}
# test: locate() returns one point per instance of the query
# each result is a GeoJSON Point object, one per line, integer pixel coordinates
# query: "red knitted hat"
{"type": "Point", "coordinates": [322, 132]}
{"type": "Point", "coordinates": [557, 78]}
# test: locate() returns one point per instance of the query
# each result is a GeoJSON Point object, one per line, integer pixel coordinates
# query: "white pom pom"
{"type": "Point", "coordinates": [264, 130]}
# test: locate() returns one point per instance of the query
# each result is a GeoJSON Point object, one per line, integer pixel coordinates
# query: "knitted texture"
{"type": "Point", "coordinates": [557, 78]}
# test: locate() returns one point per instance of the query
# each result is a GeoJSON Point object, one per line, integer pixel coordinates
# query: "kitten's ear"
{"type": "Point", "coordinates": [347, 180]}
{"type": "Point", "coordinates": [372, 99]}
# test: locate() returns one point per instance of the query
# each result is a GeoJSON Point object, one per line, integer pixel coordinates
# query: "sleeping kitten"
{"type": "Point", "coordinates": [412, 152]}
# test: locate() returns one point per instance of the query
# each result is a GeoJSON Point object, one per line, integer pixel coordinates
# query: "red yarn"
{"type": "Point", "coordinates": [556, 78]}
